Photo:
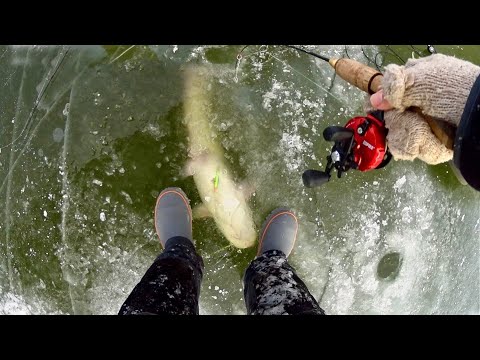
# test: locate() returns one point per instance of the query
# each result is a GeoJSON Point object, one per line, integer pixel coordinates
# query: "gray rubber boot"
{"type": "Point", "coordinates": [173, 215]}
{"type": "Point", "coordinates": [279, 232]}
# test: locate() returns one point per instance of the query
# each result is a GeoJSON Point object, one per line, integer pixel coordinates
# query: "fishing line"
{"type": "Point", "coordinates": [415, 51]}
{"type": "Point", "coordinates": [123, 53]}
{"type": "Point", "coordinates": [240, 57]}
{"type": "Point", "coordinates": [12, 74]}
{"type": "Point", "coordinates": [366, 57]}
{"type": "Point", "coordinates": [378, 64]}
{"type": "Point", "coordinates": [306, 77]}
{"type": "Point", "coordinates": [3, 54]}
{"type": "Point", "coordinates": [264, 50]}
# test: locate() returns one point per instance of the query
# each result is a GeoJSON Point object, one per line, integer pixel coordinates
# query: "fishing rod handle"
{"type": "Point", "coordinates": [363, 77]}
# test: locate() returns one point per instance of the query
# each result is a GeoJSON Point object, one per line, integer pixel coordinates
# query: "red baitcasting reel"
{"type": "Point", "coordinates": [360, 145]}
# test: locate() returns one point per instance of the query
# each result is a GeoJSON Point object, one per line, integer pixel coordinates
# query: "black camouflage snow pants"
{"type": "Point", "coordinates": [171, 286]}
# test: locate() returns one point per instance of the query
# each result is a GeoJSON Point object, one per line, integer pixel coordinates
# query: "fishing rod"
{"type": "Point", "coordinates": [361, 143]}
{"type": "Point", "coordinates": [369, 80]}
{"type": "Point", "coordinates": [309, 52]}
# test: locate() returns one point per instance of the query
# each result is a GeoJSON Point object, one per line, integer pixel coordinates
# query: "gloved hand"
{"type": "Point", "coordinates": [439, 85]}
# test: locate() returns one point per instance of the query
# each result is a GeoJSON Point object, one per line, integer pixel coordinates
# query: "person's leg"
{"type": "Point", "coordinates": [271, 286]}
{"type": "Point", "coordinates": [171, 286]}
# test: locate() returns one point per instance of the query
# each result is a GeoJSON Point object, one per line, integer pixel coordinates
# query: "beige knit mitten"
{"type": "Point", "coordinates": [410, 137]}
{"type": "Point", "coordinates": [438, 84]}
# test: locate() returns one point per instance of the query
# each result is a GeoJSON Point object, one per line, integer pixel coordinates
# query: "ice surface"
{"type": "Point", "coordinates": [79, 186]}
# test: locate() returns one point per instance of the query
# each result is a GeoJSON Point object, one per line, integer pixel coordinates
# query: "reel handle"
{"type": "Point", "coordinates": [314, 178]}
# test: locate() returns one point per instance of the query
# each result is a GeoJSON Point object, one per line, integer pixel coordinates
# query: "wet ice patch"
{"type": "Point", "coordinates": [126, 196]}
{"type": "Point", "coordinates": [407, 214]}
{"type": "Point", "coordinates": [14, 305]}
{"type": "Point", "coordinates": [277, 88]}
{"type": "Point", "coordinates": [154, 130]}
{"type": "Point", "coordinates": [294, 147]}
{"type": "Point", "coordinates": [400, 182]}
{"type": "Point", "coordinates": [395, 262]}
{"type": "Point", "coordinates": [57, 135]}
{"type": "Point", "coordinates": [298, 111]}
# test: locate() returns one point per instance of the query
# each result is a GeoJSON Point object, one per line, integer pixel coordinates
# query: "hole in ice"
{"type": "Point", "coordinates": [389, 266]}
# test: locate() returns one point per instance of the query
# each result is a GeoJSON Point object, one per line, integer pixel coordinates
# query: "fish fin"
{"type": "Point", "coordinates": [200, 211]}
{"type": "Point", "coordinates": [188, 169]}
{"type": "Point", "coordinates": [194, 162]}
{"type": "Point", "coordinates": [247, 189]}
